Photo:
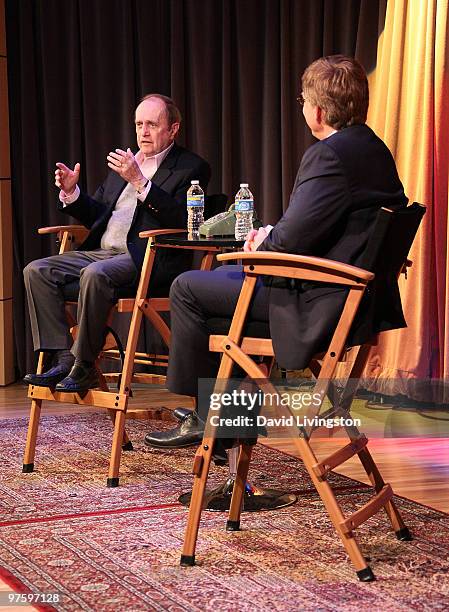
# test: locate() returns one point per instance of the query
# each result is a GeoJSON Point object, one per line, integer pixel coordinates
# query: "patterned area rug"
{"type": "Point", "coordinates": [62, 531]}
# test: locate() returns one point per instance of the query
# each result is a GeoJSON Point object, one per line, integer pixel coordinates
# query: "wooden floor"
{"type": "Point", "coordinates": [416, 467]}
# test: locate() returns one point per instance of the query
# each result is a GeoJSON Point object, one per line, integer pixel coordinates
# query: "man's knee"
{"type": "Point", "coordinates": [34, 270]}
{"type": "Point", "coordinates": [180, 289]}
{"type": "Point", "coordinates": [92, 275]}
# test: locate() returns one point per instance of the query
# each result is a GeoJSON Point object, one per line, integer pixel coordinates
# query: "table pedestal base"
{"type": "Point", "coordinates": [254, 499]}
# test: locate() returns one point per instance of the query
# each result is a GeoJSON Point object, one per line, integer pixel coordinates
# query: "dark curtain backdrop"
{"type": "Point", "coordinates": [78, 67]}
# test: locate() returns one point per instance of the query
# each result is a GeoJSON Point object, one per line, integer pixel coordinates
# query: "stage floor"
{"type": "Point", "coordinates": [417, 467]}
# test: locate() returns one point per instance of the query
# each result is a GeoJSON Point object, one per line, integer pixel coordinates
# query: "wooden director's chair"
{"type": "Point", "coordinates": [386, 254]}
{"type": "Point", "coordinates": [116, 400]}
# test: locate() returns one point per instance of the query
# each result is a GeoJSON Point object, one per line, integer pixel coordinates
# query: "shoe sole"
{"type": "Point", "coordinates": [83, 390]}
{"type": "Point", "coordinates": [165, 447]}
{"type": "Point", "coordinates": [46, 384]}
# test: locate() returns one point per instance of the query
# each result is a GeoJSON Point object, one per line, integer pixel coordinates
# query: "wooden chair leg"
{"type": "Point", "coordinates": [372, 471]}
{"type": "Point", "coordinates": [201, 468]}
{"type": "Point", "coordinates": [33, 426]}
{"type": "Point", "coordinates": [127, 445]}
{"type": "Point", "coordinates": [344, 403]}
{"type": "Point", "coordinates": [235, 509]}
{"type": "Point", "coordinates": [401, 530]}
{"type": "Point", "coordinates": [309, 459]}
{"type": "Point", "coordinates": [364, 572]}
{"type": "Point", "coordinates": [116, 451]}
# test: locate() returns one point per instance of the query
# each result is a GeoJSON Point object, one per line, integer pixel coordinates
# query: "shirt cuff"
{"type": "Point", "coordinates": [69, 199]}
{"type": "Point", "coordinates": [143, 194]}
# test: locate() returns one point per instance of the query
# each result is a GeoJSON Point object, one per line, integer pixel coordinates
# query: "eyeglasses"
{"type": "Point", "coordinates": [301, 99]}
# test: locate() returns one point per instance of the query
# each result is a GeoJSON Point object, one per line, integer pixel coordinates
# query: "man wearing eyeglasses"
{"type": "Point", "coordinates": [343, 181]}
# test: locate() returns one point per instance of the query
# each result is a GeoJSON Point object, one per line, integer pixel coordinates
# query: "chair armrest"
{"type": "Point", "coordinates": [160, 232]}
{"type": "Point", "coordinates": [299, 266]}
{"type": "Point", "coordinates": [68, 235]}
{"type": "Point", "coordinates": [54, 229]}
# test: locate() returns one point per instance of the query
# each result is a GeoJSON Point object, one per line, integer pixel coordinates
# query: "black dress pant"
{"type": "Point", "coordinates": [100, 274]}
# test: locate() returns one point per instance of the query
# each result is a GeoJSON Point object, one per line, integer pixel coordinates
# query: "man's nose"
{"type": "Point", "coordinates": [145, 130]}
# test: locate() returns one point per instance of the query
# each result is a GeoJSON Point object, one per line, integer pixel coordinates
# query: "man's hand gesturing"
{"type": "Point", "coordinates": [125, 164]}
{"type": "Point", "coordinates": [65, 178]}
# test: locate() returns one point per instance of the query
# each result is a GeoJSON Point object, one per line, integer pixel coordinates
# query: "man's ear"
{"type": "Point", "coordinates": [319, 115]}
{"type": "Point", "coordinates": [174, 129]}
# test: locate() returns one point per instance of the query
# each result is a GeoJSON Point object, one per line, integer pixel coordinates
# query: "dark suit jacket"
{"type": "Point", "coordinates": [164, 207]}
{"type": "Point", "coordinates": [340, 186]}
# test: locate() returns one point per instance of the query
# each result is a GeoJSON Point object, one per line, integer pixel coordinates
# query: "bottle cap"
{"type": "Point", "coordinates": [194, 182]}
{"type": "Point", "coordinates": [243, 184]}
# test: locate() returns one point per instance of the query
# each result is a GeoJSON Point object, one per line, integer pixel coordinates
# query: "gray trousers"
{"type": "Point", "coordinates": [100, 274]}
{"type": "Point", "coordinates": [196, 297]}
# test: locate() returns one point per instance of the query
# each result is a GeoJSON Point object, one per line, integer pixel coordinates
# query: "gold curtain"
{"type": "Point", "coordinates": [409, 94]}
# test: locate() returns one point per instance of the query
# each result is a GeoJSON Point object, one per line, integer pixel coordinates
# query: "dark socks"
{"type": "Point", "coordinates": [63, 357]}
{"type": "Point", "coordinates": [85, 365]}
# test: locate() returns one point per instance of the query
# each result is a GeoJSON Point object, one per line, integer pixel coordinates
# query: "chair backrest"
{"type": "Point", "coordinates": [214, 204]}
{"type": "Point", "coordinates": [385, 255]}
{"type": "Point", "coordinates": [391, 239]}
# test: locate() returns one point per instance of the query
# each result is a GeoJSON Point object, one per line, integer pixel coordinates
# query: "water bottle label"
{"type": "Point", "coordinates": [244, 205]}
{"type": "Point", "coordinates": [195, 200]}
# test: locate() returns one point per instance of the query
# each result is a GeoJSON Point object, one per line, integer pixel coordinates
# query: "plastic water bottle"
{"type": "Point", "coordinates": [244, 207]}
{"type": "Point", "coordinates": [195, 209]}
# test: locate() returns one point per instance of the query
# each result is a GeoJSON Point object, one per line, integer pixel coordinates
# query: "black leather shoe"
{"type": "Point", "coordinates": [78, 380]}
{"type": "Point", "coordinates": [181, 413]}
{"type": "Point", "coordinates": [188, 433]}
{"type": "Point", "coordinates": [49, 378]}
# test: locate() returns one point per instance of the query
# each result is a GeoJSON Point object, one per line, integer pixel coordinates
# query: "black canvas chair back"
{"type": "Point", "coordinates": [385, 255]}
{"type": "Point", "coordinates": [391, 239]}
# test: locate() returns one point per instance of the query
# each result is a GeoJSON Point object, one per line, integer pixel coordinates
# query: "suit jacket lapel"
{"type": "Point", "coordinates": [165, 170]}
